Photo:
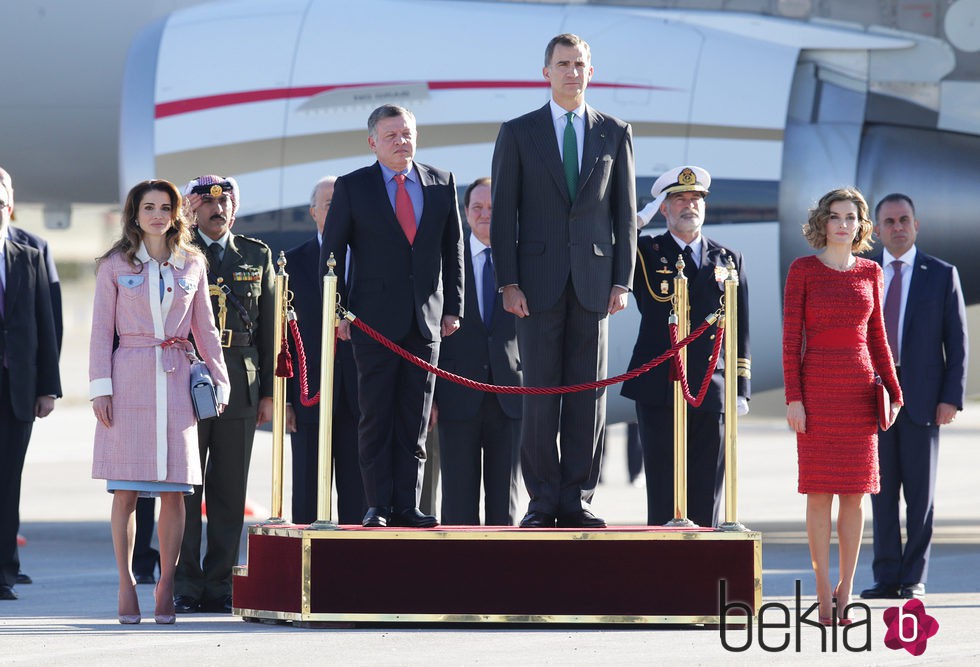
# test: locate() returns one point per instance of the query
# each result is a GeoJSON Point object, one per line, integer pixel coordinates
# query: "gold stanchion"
{"type": "Point", "coordinates": [279, 394]}
{"type": "Point", "coordinates": [730, 323]}
{"type": "Point", "coordinates": [681, 316]}
{"type": "Point", "coordinates": [325, 446]}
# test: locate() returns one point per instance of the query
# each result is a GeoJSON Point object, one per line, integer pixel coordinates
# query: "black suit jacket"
{"type": "Point", "coordinates": [654, 388]}
{"type": "Point", "coordinates": [396, 283]}
{"type": "Point", "coordinates": [33, 240]}
{"type": "Point", "coordinates": [476, 353]}
{"type": "Point", "coordinates": [303, 267]}
{"type": "Point", "coordinates": [934, 339]}
{"type": "Point", "coordinates": [28, 330]}
{"type": "Point", "coordinates": [539, 236]}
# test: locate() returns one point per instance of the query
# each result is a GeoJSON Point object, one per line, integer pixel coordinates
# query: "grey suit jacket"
{"type": "Point", "coordinates": [539, 235]}
{"type": "Point", "coordinates": [934, 339]}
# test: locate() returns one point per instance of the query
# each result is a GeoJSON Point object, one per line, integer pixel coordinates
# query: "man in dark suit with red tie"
{"type": "Point", "coordinates": [29, 377]}
{"type": "Point", "coordinates": [479, 432]}
{"type": "Point", "coordinates": [400, 219]}
{"type": "Point", "coordinates": [564, 243]}
{"type": "Point", "coordinates": [303, 267]}
{"type": "Point", "coordinates": [925, 319]}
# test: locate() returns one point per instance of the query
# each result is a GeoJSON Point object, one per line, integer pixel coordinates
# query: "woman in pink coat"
{"type": "Point", "coordinates": [151, 290]}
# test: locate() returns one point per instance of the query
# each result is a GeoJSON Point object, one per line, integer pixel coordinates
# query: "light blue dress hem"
{"type": "Point", "coordinates": [148, 488]}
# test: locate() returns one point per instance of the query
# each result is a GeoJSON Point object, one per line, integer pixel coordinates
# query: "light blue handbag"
{"type": "Point", "coordinates": [203, 394]}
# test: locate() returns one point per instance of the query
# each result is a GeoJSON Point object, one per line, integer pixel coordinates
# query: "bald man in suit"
{"type": "Point", "coordinates": [564, 242]}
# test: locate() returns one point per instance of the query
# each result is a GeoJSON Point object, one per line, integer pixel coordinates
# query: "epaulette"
{"type": "Point", "coordinates": [263, 244]}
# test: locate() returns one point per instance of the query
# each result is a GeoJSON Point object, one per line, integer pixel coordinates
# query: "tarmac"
{"type": "Point", "coordinates": [67, 616]}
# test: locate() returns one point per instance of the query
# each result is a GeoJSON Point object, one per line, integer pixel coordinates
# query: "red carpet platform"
{"type": "Point", "coordinates": [628, 575]}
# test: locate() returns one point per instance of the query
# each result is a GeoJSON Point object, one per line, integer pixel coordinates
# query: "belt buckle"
{"type": "Point", "coordinates": [226, 337]}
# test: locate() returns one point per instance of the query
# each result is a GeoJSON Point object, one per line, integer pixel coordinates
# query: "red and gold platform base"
{"type": "Point", "coordinates": [623, 575]}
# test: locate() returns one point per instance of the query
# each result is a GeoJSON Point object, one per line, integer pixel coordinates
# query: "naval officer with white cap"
{"type": "Point", "coordinates": [680, 196]}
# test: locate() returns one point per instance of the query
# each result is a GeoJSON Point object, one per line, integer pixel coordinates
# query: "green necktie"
{"type": "Point", "coordinates": [569, 157]}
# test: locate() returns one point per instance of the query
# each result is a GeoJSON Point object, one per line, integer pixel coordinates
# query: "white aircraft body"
{"type": "Point", "coordinates": [779, 110]}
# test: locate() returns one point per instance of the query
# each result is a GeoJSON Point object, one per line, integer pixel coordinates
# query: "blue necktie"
{"type": "Point", "coordinates": [489, 288]}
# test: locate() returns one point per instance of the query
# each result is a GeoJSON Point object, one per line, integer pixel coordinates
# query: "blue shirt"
{"type": "Point", "coordinates": [412, 184]}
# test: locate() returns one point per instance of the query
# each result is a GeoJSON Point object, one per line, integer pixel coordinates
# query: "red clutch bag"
{"type": "Point", "coordinates": [883, 403]}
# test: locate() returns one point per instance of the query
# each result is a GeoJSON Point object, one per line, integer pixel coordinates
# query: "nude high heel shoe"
{"type": "Point", "coordinates": [163, 619]}
{"type": "Point", "coordinates": [130, 619]}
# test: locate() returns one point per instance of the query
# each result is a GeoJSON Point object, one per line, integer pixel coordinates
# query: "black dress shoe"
{"type": "Point", "coordinates": [412, 518]}
{"type": "Point", "coordinates": [144, 578]}
{"type": "Point", "coordinates": [537, 520]}
{"type": "Point", "coordinates": [23, 579]}
{"type": "Point", "coordinates": [7, 593]}
{"type": "Point", "coordinates": [580, 519]}
{"type": "Point", "coordinates": [376, 517]}
{"type": "Point", "coordinates": [910, 591]}
{"type": "Point", "coordinates": [881, 592]}
{"type": "Point", "coordinates": [220, 605]}
{"type": "Point", "coordinates": [185, 604]}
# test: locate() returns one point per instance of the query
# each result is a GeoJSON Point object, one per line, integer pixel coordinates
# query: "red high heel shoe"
{"type": "Point", "coordinates": [841, 610]}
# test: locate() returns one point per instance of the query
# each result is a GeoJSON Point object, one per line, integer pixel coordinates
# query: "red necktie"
{"type": "Point", "coordinates": [893, 304]}
{"type": "Point", "coordinates": [404, 210]}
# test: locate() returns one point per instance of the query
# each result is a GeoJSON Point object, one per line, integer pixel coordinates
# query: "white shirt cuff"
{"type": "Point", "coordinates": [99, 387]}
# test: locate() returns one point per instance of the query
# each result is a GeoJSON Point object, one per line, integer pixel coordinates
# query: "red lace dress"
{"type": "Point", "coordinates": [833, 343]}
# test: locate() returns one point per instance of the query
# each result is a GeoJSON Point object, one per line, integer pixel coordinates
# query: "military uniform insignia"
{"type": "Point", "coordinates": [664, 269]}
{"type": "Point", "coordinates": [664, 287]}
{"type": "Point", "coordinates": [721, 274]}
{"type": "Point", "coordinates": [247, 273]}
{"type": "Point", "coordinates": [215, 191]}
{"type": "Point", "coordinates": [687, 177]}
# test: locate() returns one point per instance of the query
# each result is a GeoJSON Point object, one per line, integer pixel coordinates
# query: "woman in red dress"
{"type": "Point", "coordinates": [834, 344]}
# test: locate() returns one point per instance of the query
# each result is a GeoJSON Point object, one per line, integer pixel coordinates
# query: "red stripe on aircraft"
{"type": "Point", "coordinates": [178, 107]}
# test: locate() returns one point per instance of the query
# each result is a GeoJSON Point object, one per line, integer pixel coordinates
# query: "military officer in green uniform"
{"type": "Point", "coordinates": [241, 282]}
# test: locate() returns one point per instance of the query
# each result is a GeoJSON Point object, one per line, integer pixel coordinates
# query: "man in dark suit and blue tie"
{"type": "Point", "coordinates": [303, 267]}
{"type": "Point", "coordinates": [925, 319]}
{"type": "Point", "coordinates": [564, 244]}
{"type": "Point", "coordinates": [29, 377]}
{"type": "Point", "coordinates": [479, 432]}
{"type": "Point", "coordinates": [400, 219]}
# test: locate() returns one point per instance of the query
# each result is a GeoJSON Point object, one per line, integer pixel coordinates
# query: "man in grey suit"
{"type": "Point", "coordinates": [925, 318]}
{"type": "Point", "coordinates": [564, 244]}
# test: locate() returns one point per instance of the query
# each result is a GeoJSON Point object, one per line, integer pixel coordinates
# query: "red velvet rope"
{"type": "Point", "coordinates": [682, 373]}
{"type": "Point", "coordinates": [497, 389]}
{"type": "Point", "coordinates": [304, 383]}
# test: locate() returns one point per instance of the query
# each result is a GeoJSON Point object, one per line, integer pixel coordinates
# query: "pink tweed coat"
{"type": "Point", "coordinates": [154, 431]}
